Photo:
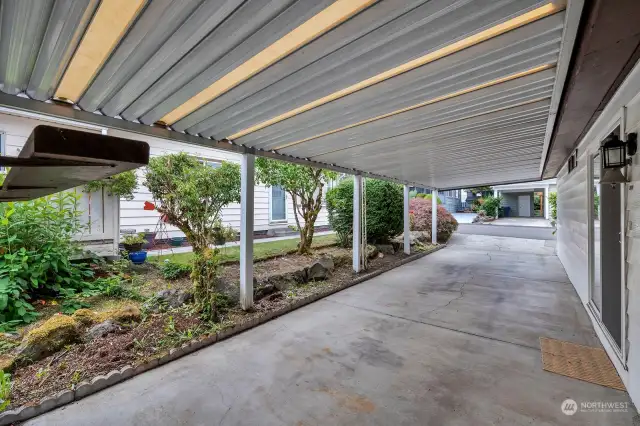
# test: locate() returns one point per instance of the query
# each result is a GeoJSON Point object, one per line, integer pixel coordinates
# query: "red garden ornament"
{"type": "Point", "coordinates": [149, 206]}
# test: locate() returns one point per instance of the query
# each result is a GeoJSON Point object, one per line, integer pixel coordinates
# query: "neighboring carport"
{"type": "Point", "coordinates": [451, 338]}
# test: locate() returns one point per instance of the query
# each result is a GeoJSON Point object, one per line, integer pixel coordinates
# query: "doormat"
{"type": "Point", "coordinates": [579, 362]}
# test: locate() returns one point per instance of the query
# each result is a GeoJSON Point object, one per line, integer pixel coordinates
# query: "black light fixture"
{"type": "Point", "coordinates": [614, 151]}
{"type": "Point", "coordinates": [614, 157]}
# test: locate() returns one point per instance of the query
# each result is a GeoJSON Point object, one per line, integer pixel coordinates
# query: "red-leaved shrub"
{"type": "Point", "coordinates": [421, 209]}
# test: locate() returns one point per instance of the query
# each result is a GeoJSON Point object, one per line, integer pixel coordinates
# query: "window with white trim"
{"type": "Point", "coordinates": [211, 163]}
{"type": "Point", "coordinates": [278, 205]}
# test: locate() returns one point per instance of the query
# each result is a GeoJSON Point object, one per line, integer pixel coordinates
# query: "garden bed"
{"type": "Point", "coordinates": [154, 339]}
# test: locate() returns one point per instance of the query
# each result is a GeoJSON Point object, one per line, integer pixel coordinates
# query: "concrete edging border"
{"type": "Point", "coordinates": [98, 383]}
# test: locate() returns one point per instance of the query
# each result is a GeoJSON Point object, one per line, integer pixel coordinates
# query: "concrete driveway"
{"type": "Point", "coordinates": [450, 339]}
{"type": "Point", "coordinates": [464, 217]}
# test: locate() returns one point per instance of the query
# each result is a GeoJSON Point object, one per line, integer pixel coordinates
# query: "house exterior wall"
{"type": "Point", "coordinates": [132, 216]}
{"type": "Point", "coordinates": [99, 209]}
{"type": "Point", "coordinates": [573, 230]}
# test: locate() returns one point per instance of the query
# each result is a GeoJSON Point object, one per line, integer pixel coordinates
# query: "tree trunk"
{"type": "Point", "coordinates": [204, 275]}
{"type": "Point", "coordinates": [306, 238]}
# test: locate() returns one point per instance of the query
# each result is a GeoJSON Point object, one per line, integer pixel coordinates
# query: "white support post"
{"type": "Point", "coordinates": [247, 182]}
{"type": "Point", "coordinates": [407, 230]}
{"type": "Point", "coordinates": [357, 226]}
{"type": "Point", "coordinates": [546, 203]}
{"type": "Point", "coordinates": [434, 216]}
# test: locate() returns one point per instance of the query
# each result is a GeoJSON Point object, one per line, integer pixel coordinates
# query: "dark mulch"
{"type": "Point", "coordinates": [342, 275]}
{"type": "Point", "coordinates": [84, 361]}
{"type": "Point", "coordinates": [160, 332]}
{"type": "Point", "coordinates": [280, 264]}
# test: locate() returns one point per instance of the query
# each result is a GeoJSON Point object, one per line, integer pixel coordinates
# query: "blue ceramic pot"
{"type": "Point", "coordinates": [138, 257]}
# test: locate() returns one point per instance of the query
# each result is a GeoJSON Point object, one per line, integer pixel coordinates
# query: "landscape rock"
{"type": "Point", "coordinates": [168, 298]}
{"type": "Point", "coordinates": [85, 316]}
{"type": "Point", "coordinates": [341, 258]}
{"type": "Point", "coordinates": [386, 248]}
{"type": "Point", "coordinates": [231, 288]}
{"type": "Point", "coordinates": [10, 336]}
{"type": "Point", "coordinates": [263, 291]}
{"type": "Point", "coordinates": [6, 362]}
{"type": "Point", "coordinates": [321, 269]}
{"type": "Point", "coordinates": [420, 236]}
{"type": "Point", "coordinates": [102, 329]}
{"type": "Point", "coordinates": [53, 335]}
{"type": "Point", "coordinates": [372, 251]}
{"type": "Point", "coordinates": [274, 296]}
{"type": "Point", "coordinates": [125, 314]}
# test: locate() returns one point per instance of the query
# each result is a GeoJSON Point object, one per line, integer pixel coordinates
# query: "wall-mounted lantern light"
{"type": "Point", "coordinates": [614, 157]}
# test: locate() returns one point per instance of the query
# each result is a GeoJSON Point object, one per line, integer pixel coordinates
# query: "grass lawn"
{"type": "Point", "coordinates": [260, 250]}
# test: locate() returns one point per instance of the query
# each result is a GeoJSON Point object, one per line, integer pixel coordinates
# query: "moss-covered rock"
{"type": "Point", "coordinates": [51, 336]}
{"type": "Point", "coordinates": [6, 363]}
{"type": "Point", "coordinates": [85, 317]}
{"type": "Point", "coordinates": [125, 314]}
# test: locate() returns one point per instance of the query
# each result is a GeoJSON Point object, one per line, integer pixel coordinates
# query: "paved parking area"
{"type": "Point", "coordinates": [450, 339]}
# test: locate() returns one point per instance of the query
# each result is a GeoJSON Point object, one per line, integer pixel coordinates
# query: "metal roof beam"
{"type": "Point", "coordinates": [67, 112]}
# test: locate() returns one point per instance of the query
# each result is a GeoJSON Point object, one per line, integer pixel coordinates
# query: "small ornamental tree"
{"type": "Point", "coordinates": [190, 195]}
{"type": "Point", "coordinates": [122, 185]}
{"type": "Point", "coordinates": [304, 185]}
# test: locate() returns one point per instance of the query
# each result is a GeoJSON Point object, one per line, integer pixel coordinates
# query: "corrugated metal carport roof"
{"type": "Point", "coordinates": [441, 93]}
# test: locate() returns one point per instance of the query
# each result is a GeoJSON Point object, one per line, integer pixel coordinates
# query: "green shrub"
{"type": "Point", "coordinates": [429, 197]}
{"type": "Point", "coordinates": [384, 210]}
{"type": "Point", "coordinates": [340, 208]}
{"type": "Point", "coordinates": [36, 245]}
{"type": "Point", "coordinates": [173, 271]}
{"type": "Point", "coordinates": [122, 185]}
{"type": "Point", "coordinates": [491, 205]}
{"type": "Point", "coordinates": [553, 204]}
{"type": "Point", "coordinates": [421, 211]}
{"type": "Point", "coordinates": [5, 390]}
{"type": "Point", "coordinates": [132, 239]}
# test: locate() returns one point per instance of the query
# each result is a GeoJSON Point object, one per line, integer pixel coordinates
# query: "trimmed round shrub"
{"type": "Point", "coordinates": [384, 210]}
{"type": "Point", "coordinates": [421, 211]}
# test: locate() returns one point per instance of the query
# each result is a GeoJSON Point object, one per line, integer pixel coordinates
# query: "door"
{"type": "Point", "coordinates": [524, 205]}
{"type": "Point", "coordinates": [278, 205]}
{"type": "Point", "coordinates": [610, 256]}
{"type": "Point", "coordinates": [606, 249]}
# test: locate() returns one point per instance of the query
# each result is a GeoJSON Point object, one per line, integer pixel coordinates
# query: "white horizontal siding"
{"type": "Point", "coordinates": [572, 234]}
{"type": "Point", "coordinates": [98, 211]}
{"type": "Point", "coordinates": [133, 217]}
{"type": "Point", "coordinates": [573, 190]}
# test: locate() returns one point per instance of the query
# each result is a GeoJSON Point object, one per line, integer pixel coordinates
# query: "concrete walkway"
{"type": "Point", "coordinates": [522, 232]}
{"type": "Point", "coordinates": [538, 222]}
{"type": "Point", "coordinates": [450, 339]}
